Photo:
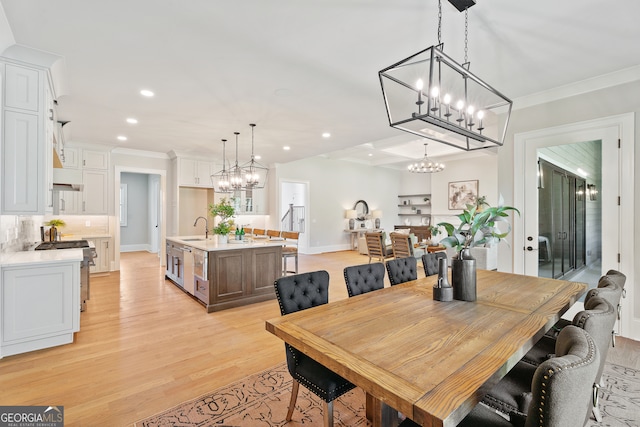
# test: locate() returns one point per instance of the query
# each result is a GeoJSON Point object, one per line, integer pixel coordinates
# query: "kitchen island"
{"type": "Point", "coordinates": [227, 275]}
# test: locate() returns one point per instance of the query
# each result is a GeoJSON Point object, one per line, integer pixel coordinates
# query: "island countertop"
{"type": "Point", "coordinates": [211, 244]}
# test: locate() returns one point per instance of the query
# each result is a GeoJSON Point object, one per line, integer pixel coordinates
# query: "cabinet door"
{"type": "Point", "coordinates": [22, 88]}
{"type": "Point", "coordinates": [68, 202]}
{"type": "Point", "coordinates": [71, 159]}
{"type": "Point", "coordinates": [40, 301]}
{"type": "Point", "coordinates": [94, 195]}
{"type": "Point", "coordinates": [95, 159]}
{"type": "Point", "coordinates": [204, 172]}
{"type": "Point", "coordinates": [229, 275]}
{"type": "Point", "coordinates": [194, 173]}
{"type": "Point", "coordinates": [104, 261]}
{"type": "Point", "coordinates": [21, 171]}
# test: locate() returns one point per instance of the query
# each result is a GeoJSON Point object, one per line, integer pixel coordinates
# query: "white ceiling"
{"type": "Point", "coordinates": [298, 68]}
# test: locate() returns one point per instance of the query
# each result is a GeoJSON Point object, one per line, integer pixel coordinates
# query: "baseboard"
{"type": "Point", "coordinates": [136, 248]}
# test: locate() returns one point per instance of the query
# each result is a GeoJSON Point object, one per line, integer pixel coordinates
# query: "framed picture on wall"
{"type": "Point", "coordinates": [462, 193]}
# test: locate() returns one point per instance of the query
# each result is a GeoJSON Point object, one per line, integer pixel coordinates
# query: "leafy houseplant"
{"type": "Point", "coordinates": [225, 211]}
{"type": "Point", "coordinates": [53, 231]}
{"type": "Point", "coordinates": [477, 228]}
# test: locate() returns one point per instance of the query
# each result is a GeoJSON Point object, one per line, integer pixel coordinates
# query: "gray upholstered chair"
{"type": "Point", "coordinates": [611, 288]}
{"type": "Point", "coordinates": [560, 388]}
{"type": "Point", "coordinates": [430, 262]}
{"type": "Point", "coordinates": [364, 278]}
{"type": "Point", "coordinates": [402, 270]}
{"type": "Point", "coordinates": [295, 293]}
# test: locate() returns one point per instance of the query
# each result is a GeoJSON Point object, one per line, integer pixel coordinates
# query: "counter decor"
{"type": "Point", "coordinates": [225, 211]}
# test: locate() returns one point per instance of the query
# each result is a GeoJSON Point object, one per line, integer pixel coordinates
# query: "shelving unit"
{"type": "Point", "coordinates": [414, 205]}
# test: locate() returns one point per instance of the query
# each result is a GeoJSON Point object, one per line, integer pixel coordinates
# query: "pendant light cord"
{"type": "Point", "coordinates": [439, 22]}
{"type": "Point", "coordinates": [466, 35]}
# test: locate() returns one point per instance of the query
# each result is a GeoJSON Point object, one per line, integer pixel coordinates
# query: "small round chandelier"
{"type": "Point", "coordinates": [426, 165]}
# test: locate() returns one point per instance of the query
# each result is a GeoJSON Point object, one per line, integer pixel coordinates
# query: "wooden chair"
{"type": "Point", "coordinates": [273, 233]}
{"type": "Point", "coordinates": [296, 293]}
{"type": "Point", "coordinates": [376, 247]}
{"type": "Point", "coordinates": [289, 250]}
{"type": "Point", "coordinates": [259, 232]}
{"type": "Point", "coordinates": [403, 247]}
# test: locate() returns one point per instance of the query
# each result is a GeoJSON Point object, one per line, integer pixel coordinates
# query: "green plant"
{"type": "Point", "coordinates": [225, 211]}
{"type": "Point", "coordinates": [435, 230]}
{"type": "Point", "coordinates": [477, 227]}
{"type": "Point", "coordinates": [55, 223]}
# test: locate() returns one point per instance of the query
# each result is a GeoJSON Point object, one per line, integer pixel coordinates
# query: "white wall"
{"type": "Point", "coordinates": [136, 233]}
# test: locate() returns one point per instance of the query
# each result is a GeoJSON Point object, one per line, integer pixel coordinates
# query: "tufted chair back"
{"type": "Point", "coordinates": [597, 319]}
{"type": "Point", "coordinates": [302, 291]}
{"type": "Point", "coordinates": [402, 270]}
{"type": "Point", "coordinates": [430, 262]}
{"type": "Point", "coordinates": [364, 278]}
{"type": "Point", "coordinates": [561, 386]}
{"type": "Point", "coordinates": [617, 277]}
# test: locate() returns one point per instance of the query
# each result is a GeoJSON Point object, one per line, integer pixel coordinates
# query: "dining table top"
{"type": "Point", "coordinates": [431, 360]}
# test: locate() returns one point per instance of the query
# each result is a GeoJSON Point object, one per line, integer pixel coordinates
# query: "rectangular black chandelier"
{"type": "Point", "coordinates": [430, 95]}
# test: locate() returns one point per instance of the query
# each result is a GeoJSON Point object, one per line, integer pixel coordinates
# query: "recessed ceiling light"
{"type": "Point", "coordinates": [286, 148]}
{"type": "Point", "coordinates": [147, 93]}
{"type": "Point", "coordinates": [132, 121]}
{"type": "Point", "coordinates": [122, 138]}
{"type": "Point", "coordinates": [326, 135]}
{"type": "Point", "coordinates": [370, 154]}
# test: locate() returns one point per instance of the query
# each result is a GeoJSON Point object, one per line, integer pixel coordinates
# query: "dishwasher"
{"type": "Point", "coordinates": [201, 275]}
{"type": "Point", "coordinates": [188, 266]}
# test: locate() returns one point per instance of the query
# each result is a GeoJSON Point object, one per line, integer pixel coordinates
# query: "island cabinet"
{"type": "Point", "coordinates": [242, 276]}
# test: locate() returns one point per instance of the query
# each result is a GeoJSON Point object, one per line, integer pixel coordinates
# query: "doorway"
{"type": "Point", "coordinates": [293, 210]}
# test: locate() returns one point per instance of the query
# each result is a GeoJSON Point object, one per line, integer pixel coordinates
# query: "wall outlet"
{"type": "Point", "coordinates": [87, 223]}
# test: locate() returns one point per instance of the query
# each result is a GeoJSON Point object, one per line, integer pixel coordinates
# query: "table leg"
{"type": "Point", "coordinates": [380, 414]}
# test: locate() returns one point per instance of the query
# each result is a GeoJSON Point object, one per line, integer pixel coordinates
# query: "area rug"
{"type": "Point", "coordinates": [261, 400]}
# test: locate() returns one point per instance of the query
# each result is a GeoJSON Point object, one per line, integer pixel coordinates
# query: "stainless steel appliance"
{"type": "Point", "coordinates": [187, 275]}
{"type": "Point", "coordinates": [201, 275]}
{"type": "Point", "coordinates": [89, 255]}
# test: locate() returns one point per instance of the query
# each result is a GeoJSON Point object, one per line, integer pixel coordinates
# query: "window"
{"type": "Point", "coordinates": [123, 205]}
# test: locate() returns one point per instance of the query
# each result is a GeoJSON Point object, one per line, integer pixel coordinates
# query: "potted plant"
{"type": "Point", "coordinates": [53, 231]}
{"type": "Point", "coordinates": [477, 228]}
{"type": "Point", "coordinates": [225, 211]}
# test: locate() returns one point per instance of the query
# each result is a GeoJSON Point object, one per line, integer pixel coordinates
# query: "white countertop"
{"type": "Point", "coordinates": [211, 244]}
{"type": "Point", "coordinates": [10, 259]}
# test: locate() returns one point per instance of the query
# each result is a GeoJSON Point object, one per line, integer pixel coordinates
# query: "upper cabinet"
{"type": "Point", "coordinates": [194, 173]}
{"type": "Point", "coordinates": [27, 142]}
{"type": "Point", "coordinates": [95, 159]}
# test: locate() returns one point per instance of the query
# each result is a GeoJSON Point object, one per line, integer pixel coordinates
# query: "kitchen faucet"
{"type": "Point", "coordinates": [206, 226]}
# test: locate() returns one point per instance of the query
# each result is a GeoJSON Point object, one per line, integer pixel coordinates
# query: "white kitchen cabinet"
{"type": "Point", "coordinates": [94, 194]}
{"type": "Point", "coordinates": [67, 203]}
{"type": "Point", "coordinates": [103, 252]}
{"type": "Point", "coordinates": [26, 175]}
{"type": "Point", "coordinates": [71, 158]}
{"type": "Point", "coordinates": [195, 173]}
{"type": "Point", "coordinates": [40, 306]}
{"type": "Point", "coordinates": [92, 159]}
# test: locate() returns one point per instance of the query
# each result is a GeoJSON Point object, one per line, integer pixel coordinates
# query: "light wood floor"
{"type": "Point", "coordinates": [144, 346]}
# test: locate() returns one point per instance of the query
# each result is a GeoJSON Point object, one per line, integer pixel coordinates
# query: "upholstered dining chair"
{"type": "Point", "coordinates": [364, 278]}
{"type": "Point", "coordinates": [611, 288]}
{"type": "Point", "coordinates": [560, 389]}
{"type": "Point", "coordinates": [295, 293]}
{"type": "Point", "coordinates": [376, 246]}
{"type": "Point", "coordinates": [290, 250]}
{"type": "Point", "coordinates": [402, 270]}
{"type": "Point", "coordinates": [430, 262]}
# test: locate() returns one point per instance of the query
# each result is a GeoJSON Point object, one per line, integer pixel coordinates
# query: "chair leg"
{"type": "Point", "coordinates": [328, 414]}
{"type": "Point", "coordinates": [294, 397]}
{"type": "Point", "coordinates": [296, 263]}
{"type": "Point", "coordinates": [596, 400]}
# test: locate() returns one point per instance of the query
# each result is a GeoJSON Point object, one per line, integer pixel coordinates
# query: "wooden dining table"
{"type": "Point", "coordinates": [432, 361]}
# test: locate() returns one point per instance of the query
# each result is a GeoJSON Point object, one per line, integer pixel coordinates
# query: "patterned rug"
{"type": "Point", "coordinates": [261, 400]}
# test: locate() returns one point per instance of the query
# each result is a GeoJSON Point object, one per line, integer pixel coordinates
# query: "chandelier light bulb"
{"type": "Point", "coordinates": [419, 84]}
{"type": "Point", "coordinates": [470, 110]}
{"type": "Point", "coordinates": [460, 105]}
{"type": "Point", "coordinates": [446, 99]}
{"type": "Point", "coordinates": [435, 91]}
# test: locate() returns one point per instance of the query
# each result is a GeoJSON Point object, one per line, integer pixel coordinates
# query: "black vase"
{"type": "Point", "coordinates": [463, 276]}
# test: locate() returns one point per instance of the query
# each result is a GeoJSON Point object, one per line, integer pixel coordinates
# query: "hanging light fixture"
{"type": "Point", "coordinates": [255, 173]}
{"type": "Point", "coordinates": [236, 173]}
{"type": "Point", "coordinates": [426, 165]}
{"type": "Point", "coordinates": [221, 180]}
{"type": "Point", "coordinates": [431, 95]}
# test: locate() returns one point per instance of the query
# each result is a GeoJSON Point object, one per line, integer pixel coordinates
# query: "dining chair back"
{"type": "Point", "coordinates": [430, 262]}
{"type": "Point", "coordinates": [376, 247]}
{"type": "Point", "coordinates": [560, 388]}
{"type": "Point", "coordinates": [402, 270]}
{"type": "Point", "coordinates": [300, 292]}
{"type": "Point", "coordinates": [290, 250]}
{"type": "Point", "coordinates": [258, 231]}
{"type": "Point", "coordinates": [401, 244]}
{"type": "Point", "coordinates": [608, 289]}
{"type": "Point", "coordinates": [364, 278]}
{"type": "Point", "coordinates": [248, 231]}
{"type": "Point", "coordinates": [273, 233]}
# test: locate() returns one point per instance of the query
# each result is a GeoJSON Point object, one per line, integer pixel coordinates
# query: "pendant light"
{"type": "Point", "coordinates": [426, 165]}
{"type": "Point", "coordinates": [221, 180]}
{"type": "Point", "coordinates": [255, 173]}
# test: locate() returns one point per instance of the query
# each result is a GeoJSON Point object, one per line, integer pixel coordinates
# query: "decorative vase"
{"type": "Point", "coordinates": [377, 223]}
{"type": "Point", "coordinates": [443, 291]}
{"type": "Point", "coordinates": [352, 224]}
{"type": "Point", "coordinates": [223, 239]}
{"type": "Point", "coordinates": [53, 234]}
{"type": "Point", "coordinates": [463, 276]}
